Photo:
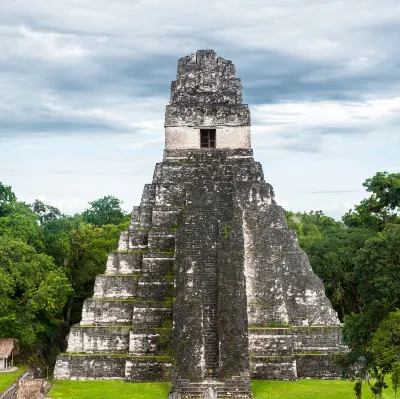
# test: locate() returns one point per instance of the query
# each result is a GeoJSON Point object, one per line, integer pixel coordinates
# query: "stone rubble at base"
{"type": "Point", "coordinates": [207, 267]}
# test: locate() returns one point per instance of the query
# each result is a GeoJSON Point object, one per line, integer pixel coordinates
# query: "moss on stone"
{"type": "Point", "coordinates": [132, 251]}
{"type": "Point", "coordinates": [112, 300]}
{"type": "Point", "coordinates": [121, 275]}
{"type": "Point", "coordinates": [157, 358]}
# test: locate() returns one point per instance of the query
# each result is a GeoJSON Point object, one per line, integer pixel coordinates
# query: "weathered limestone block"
{"type": "Point", "coordinates": [135, 221]}
{"type": "Point", "coordinates": [280, 281]}
{"type": "Point", "coordinates": [98, 339]}
{"type": "Point", "coordinates": [312, 349]}
{"type": "Point", "coordinates": [152, 289]}
{"type": "Point", "coordinates": [62, 370]}
{"type": "Point", "coordinates": [148, 368]}
{"type": "Point", "coordinates": [150, 315]}
{"type": "Point", "coordinates": [90, 367]}
{"type": "Point", "coordinates": [144, 342]}
{"type": "Point", "coordinates": [161, 241]}
{"type": "Point", "coordinates": [317, 366]}
{"type": "Point", "coordinates": [123, 243]}
{"type": "Point", "coordinates": [321, 339]}
{"type": "Point", "coordinates": [270, 342]}
{"type": "Point", "coordinates": [168, 194]}
{"type": "Point", "coordinates": [165, 217]}
{"type": "Point", "coordinates": [124, 263]}
{"type": "Point", "coordinates": [138, 239]}
{"type": "Point", "coordinates": [117, 286]}
{"type": "Point", "coordinates": [159, 267]}
{"type": "Point", "coordinates": [273, 367]}
{"type": "Point", "coordinates": [107, 312]}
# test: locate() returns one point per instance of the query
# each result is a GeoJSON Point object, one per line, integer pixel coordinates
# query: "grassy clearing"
{"type": "Point", "coordinates": [108, 390]}
{"type": "Point", "coordinates": [302, 389]}
{"type": "Point", "coordinates": [6, 379]}
{"type": "Point", "coordinates": [310, 389]}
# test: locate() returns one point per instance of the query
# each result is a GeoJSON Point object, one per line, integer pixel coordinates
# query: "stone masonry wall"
{"type": "Point", "coordinates": [209, 222]}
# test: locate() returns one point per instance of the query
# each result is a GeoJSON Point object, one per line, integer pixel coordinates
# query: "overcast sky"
{"type": "Point", "coordinates": [84, 84]}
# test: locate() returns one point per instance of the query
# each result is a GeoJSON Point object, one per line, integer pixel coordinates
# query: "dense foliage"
{"type": "Point", "coordinates": [48, 262]}
{"type": "Point", "coordinates": [358, 260]}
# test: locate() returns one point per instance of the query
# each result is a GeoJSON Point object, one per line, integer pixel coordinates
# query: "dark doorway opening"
{"type": "Point", "coordinates": [207, 138]}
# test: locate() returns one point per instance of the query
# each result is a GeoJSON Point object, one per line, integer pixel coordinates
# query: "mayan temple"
{"type": "Point", "coordinates": [208, 287]}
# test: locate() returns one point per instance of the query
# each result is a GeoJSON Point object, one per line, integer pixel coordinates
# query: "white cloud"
{"type": "Point", "coordinates": [323, 126]}
{"type": "Point", "coordinates": [69, 206]}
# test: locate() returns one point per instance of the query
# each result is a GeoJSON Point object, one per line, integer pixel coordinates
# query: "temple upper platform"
{"type": "Point", "coordinates": [206, 109]}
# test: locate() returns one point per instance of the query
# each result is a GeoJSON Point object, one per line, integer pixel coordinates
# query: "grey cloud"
{"type": "Point", "coordinates": [130, 54]}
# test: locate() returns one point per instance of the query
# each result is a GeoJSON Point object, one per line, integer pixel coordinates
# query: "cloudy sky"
{"type": "Point", "coordinates": [84, 84]}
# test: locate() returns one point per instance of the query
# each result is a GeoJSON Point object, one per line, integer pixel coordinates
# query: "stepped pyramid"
{"type": "Point", "coordinates": [208, 287]}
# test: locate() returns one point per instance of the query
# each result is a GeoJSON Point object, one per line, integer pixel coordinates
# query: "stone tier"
{"type": "Point", "coordinates": [295, 352]}
{"type": "Point", "coordinates": [112, 367]}
{"type": "Point", "coordinates": [236, 387]}
{"type": "Point", "coordinates": [128, 320]}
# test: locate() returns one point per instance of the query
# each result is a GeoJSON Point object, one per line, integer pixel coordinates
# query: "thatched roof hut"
{"type": "Point", "coordinates": [8, 349]}
{"type": "Point", "coordinates": [30, 389]}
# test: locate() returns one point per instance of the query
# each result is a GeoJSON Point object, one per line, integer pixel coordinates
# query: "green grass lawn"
{"type": "Point", "coordinates": [6, 379]}
{"type": "Point", "coordinates": [302, 389]}
{"type": "Point", "coordinates": [310, 389]}
{"type": "Point", "coordinates": [108, 390]}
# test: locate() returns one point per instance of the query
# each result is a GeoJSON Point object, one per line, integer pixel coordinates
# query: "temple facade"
{"type": "Point", "coordinates": [208, 287]}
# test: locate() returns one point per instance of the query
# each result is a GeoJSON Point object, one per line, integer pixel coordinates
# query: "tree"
{"type": "Point", "coordinates": [358, 388]}
{"type": "Point", "coordinates": [377, 269]}
{"type": "Point", "coordinates": [385, 343]}
{"type": "Point", "coordinates": [6, 194]}
{"type": "Point", "coordinates": [18, 221]}
{"type": "Point", "coordinates": [332, 248]}
{"type": "Point", "coordinates": [383, 205]}
{"type": "Point", "coordinates": [396, 378]}
{"type": "Point", "coordinates": [45, 212]}
{"type": "Point", "coordinates": [106, 210]}
{"type": "Point", "coordinates": [33, 291]}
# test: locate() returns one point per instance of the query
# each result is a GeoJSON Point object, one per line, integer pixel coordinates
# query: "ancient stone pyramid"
{"type": "Point", "coordinates": [208, 287]}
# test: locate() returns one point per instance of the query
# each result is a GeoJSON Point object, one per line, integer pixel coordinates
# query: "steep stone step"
{"type": "Point", "coordinates": [157, 267]}
{"type": "Point", "coordinates": [161, 240]}
{"type": "Point", "coordinates": [105, 339]}
{"type": "Point", "coordinates": [154, 289]}
{"type": "Point", "coordinates": [110, 312]}
{"type": "Point", "coordinates": [150, 315]}
{"type": "Point", "coordinates": [90, 366]}
{"type": "Point", "coordinates": [273, 367]}
{"type": "Point", "coordinates": [116, 286]}
{"type": "Point", "coordinates": [128, 262]}
{"type": "Point", "coordinates": [147, 368]}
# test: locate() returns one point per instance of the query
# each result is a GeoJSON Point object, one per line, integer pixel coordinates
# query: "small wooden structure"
{"type": "Point", "coordinates": [8, 350]}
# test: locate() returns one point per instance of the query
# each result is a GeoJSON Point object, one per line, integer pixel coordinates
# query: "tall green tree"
{"type": "Point", "coordinates": [45, 212]}
{"type": "Point", "coordinates": [106, 210]}
{"type": "Point", "coordinates": [33, 291]}
{"type": "Point", "coordinates": [331, 247]}
{"type": "Point", "coordinates": [381, 207]}
{"type": "Point", "coordinates": [6, 194]}
{"type": "Point", "coordinates": [395, 377]}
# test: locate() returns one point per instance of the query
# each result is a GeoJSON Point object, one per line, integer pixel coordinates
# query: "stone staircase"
{"type": "Point", "coordinates": [131, 309]}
